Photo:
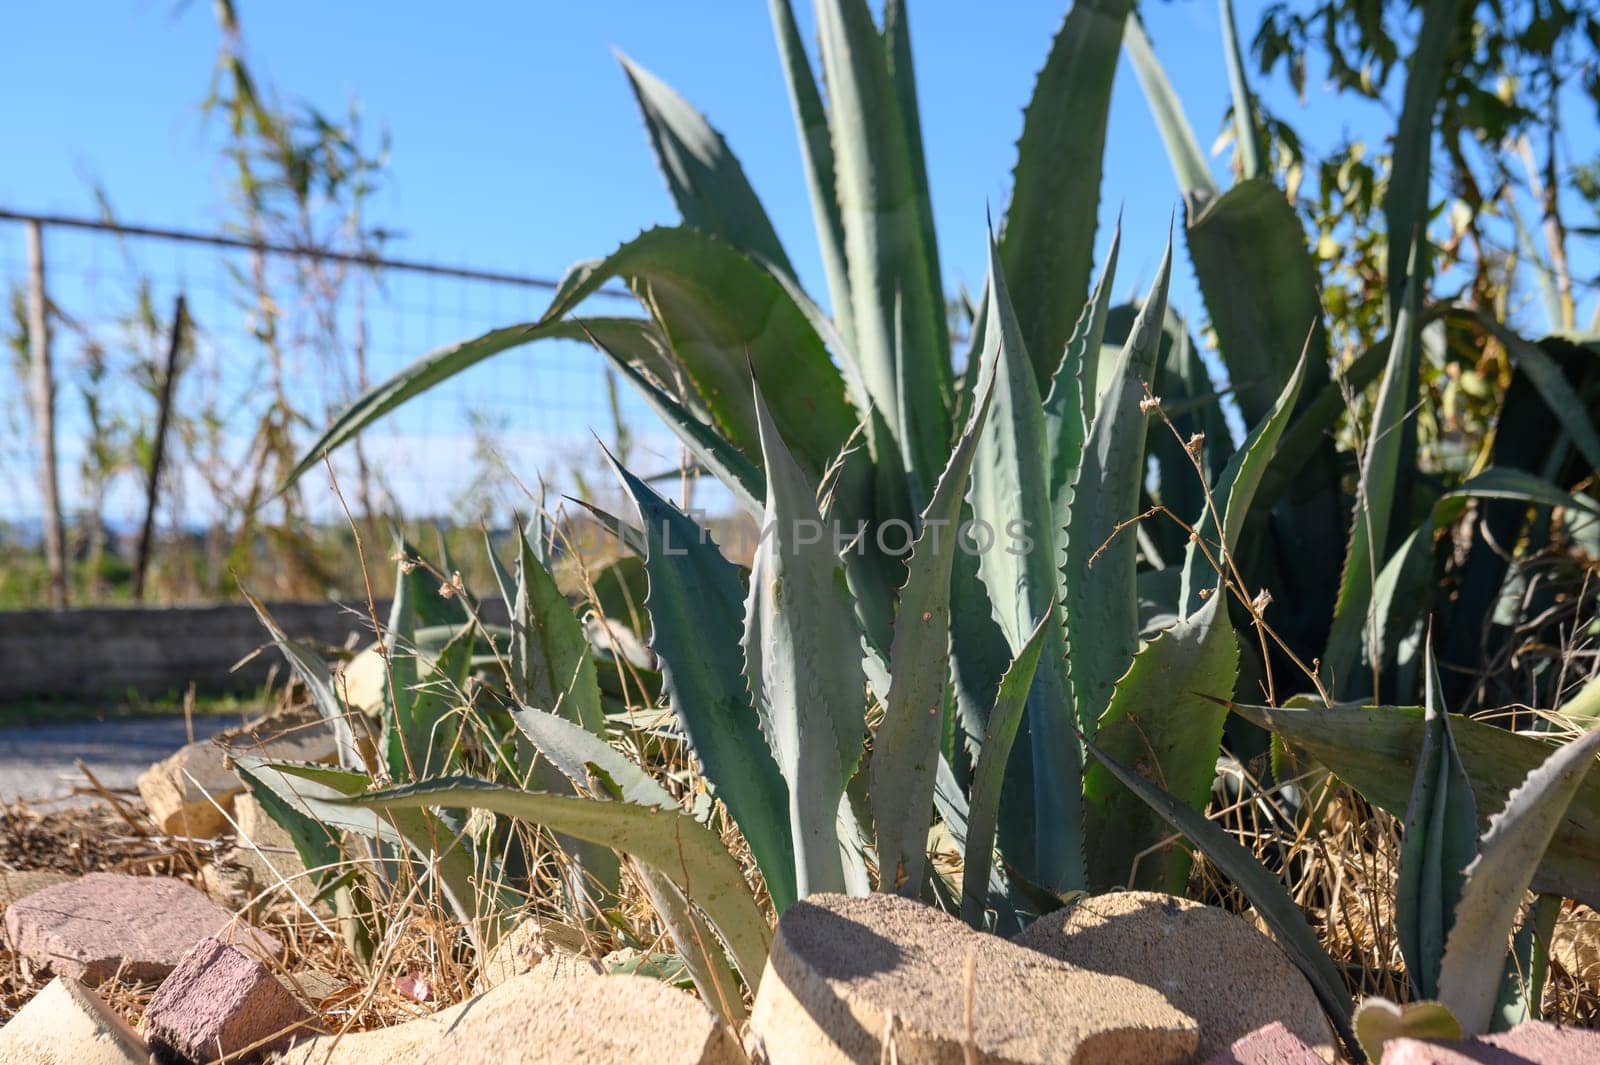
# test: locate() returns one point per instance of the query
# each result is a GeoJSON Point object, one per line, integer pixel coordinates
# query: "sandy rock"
{"type": "Point", "coordinates": [183, 791]}
{"type": "Point", "coordinates": [844, 970]}
{"type": "Point", "coordinates": [314, 986]}
{"type": "Point", "coordinates": [91, 927]}
{"type": "Point", "coordinates": [264, 858]}
{"type": "Point", "coordinates": [1532, 1043]}
{"type": "Point", "coordinates": [523, 949]}
{"type": "Point", "coordinates": [1207, 962]}
{"type": "Point", "coordinates": [19, 884]}
{"type": "Point", "coordinates": [1271, 1045]}
{"type": "Point", "coordinates": [220, 1002]}
{"type": "Point", "coordinates": [363, 680]}
{"type": "Point", "coordinates": [554, 1014]}
{"type": "Point", "coordinates": [67, 1024]}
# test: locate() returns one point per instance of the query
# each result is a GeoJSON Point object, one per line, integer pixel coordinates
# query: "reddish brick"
{"type": "Point", "coordinates": [144, 925]}
{"type": "Point", "coordinates": [221, 1003]}
{"type": "Point", "coordinates": [1533, 1043]}
{"type": "Point", "coordinates": [1272, 1044]}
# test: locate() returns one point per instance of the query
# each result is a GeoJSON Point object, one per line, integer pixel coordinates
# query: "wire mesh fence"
{"type": "Point", "coordinates": [274, 342]}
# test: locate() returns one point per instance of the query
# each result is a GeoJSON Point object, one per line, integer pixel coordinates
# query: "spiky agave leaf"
{"type": "Point", "coordinates": [1441, 839]}
{"type": "Point", "coordinates": [696, 605]}
{"type": "Point", "coordinates": [803, 663]}
{"type": "Point", "coordinates": [1508, 856]}
{"type": "Point", "coordinates": [1160, 722]}
{"type": "Point", "coordinates": [906, 744]}
{"type": "Point", "coordinates": [984, 803]}
{"type": "Point", "coordinates": [1048, 241]}
{"type": "Point", "coordinates": [703, 175]}
{"type": "Point", "coordinates": [1017, 560]}
{"type": "Point", "coordinates": [1373, 749]}
{"type": "Point", "coordinates": [876, 181]}
{"type": "Point", "coordinates": [670, 840]}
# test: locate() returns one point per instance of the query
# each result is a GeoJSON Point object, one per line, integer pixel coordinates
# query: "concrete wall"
{"type": "Point", "coordinates": [151, 651]}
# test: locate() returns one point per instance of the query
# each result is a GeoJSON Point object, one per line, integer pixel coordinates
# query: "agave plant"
{"type": "Point", "coordinates": [845, 689]}
{"type": "Point", "coordinates": [1459, 895]}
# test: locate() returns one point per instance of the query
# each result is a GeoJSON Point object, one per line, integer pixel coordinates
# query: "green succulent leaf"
{"type": "Point", "coordinates": [816, 147]}
{"type": "Point", "coordinates": [1188, 160]}
{"type": "Point", "coordinates": [1373, 749]}
{"type": "Point", "coordinates": [1518, 838]}
{"type": "Point", "coordinates": [1527, 966]}
{"type": "Point", "coordinates": [468, 882]}
{"type": "Point", "coordinates": [696, 605]}
{"type": "Point", "coordinates": [803, 663]}
{"type": "Point", "coordinates": [983, 812]}
{"type": "Point", "coordinates": [1403, 591]}
{"type": "Point", "coordinates": [631, 335]}
{"type": "Point", "coordinates": [1161, 723]}
{"type": "Point", "coordinates": [1234, 494]}
{"type": "Point", "coordinates": [1405, 207]}
{"type": "Point", "coordinates": [671, 841]}
{"type": "Point", "coordinates": [1250, 145]}
{"type": "Point", "coordinates": [1069, 403]}
{"type": "Point", "coordinates": [703, 175]}
{"type": "Point", "coordinates": [882, 219]}
{"type": "Point", "coordinates": [1010, 499]}
{"type": "Point", "coordinates": [551, 667]}
{"type": "Point", "coordinates": [1262, 290]}
{"type": "Point", "coordinates": [1048, 244]}
{"type": "Point", "coordinates": [1375, 504]}
{"type": "Point", "coordinates": [721, 312]}
{"type": "Point", "coordinates": [721, 458]}
{"type": "Point", "coordinates": [313, 672]}
{"type": "Point", "coordinates": [1101, 556]}
{"type": "Point", "coordinates": [1441, 839]}
{"type": "Point", "coordinates": [591, 763]}
{"type": "Point", "coordinates": [906, 745]}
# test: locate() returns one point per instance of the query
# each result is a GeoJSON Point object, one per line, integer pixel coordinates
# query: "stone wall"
{"type": "Point", "coordinates": [152, 651]}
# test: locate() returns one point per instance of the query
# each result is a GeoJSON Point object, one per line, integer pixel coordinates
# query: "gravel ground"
{"type": "Point", "coordinates": [37, 761]}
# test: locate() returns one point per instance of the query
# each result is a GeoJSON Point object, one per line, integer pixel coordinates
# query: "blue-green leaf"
{"type": "Point", "coordinates": [1048, 242]}
{"type": "Point", "coordinates": [703, 174]}
{"type": "Point", "coordinates": [906, 745]}
{"type": "Point", "coordinates": [1441, 839]}
{"type": "Point", "coordinates": [803, 663]}
{"type": "Point", "coordinates": [1018, 556]}
{"type": "Point", "coordinates": [984, 807]}
{"type": "Point", "coordinates": [1160, 722]}
{"type": "Point", "coordinates": [1508, 855]}
{"type": "Point", "coordinates": [696, 605]}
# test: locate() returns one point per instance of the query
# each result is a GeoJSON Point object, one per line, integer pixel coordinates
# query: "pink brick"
{"type": "Point", "coordinates": [1533, 1043]}
{"type": "Point", "coordinates": [91, 927]}
{"type": "Point", "coordinates": [1270, 1045]}
{"type": "Point", "coordinates": [221, 1003]}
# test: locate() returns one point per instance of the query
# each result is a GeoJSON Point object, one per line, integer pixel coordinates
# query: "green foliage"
{"type": "Point", "coordinates": [874, 689]}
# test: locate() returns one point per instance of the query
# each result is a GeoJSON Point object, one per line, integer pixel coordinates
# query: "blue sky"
{"type": "Point", "coordinates": [516, 144]}
{"type": "Point", "coordinates": [515, 140]}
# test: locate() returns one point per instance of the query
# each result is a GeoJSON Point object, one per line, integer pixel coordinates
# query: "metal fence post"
{"type": "Point", "coordinates": [44, 417]}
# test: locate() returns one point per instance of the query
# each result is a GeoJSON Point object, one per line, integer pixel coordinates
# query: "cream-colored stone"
{"type": "Point", "coordinates": [68, 1024]}
{"type": "Point", "coordinates": [557, 1013]}
{"type": "Point", "coordinates": [362, 681]}
{"type": "Point", "coordinates": [845, 975]}
{"type": "Point", "coordinates": [190, 792]}
{"type": "Point", "coordinates": [527, 946]}
{"type": "Point", "coordinates": [1207, 962]}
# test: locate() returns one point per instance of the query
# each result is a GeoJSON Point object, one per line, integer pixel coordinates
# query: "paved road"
{"type": "Point", "coordinates": [36, 761]}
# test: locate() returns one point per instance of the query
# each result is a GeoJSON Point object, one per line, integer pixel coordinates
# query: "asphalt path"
{"type": "Point", "coordinates": [38, 762]}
